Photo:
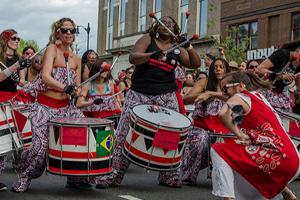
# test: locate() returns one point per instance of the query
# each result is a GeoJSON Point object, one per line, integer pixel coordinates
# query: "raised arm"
{"type": "Point", "coordinates": [138, 55]}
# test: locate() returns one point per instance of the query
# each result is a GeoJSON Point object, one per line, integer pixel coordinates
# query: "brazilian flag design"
{"type": "Point", "coordinates": [105, 143]}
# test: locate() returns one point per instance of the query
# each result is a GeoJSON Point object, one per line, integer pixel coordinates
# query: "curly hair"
{"type": "Point", "coordinates": [212, 79]}
{"type": "Point", "coordinates": [152, 30]}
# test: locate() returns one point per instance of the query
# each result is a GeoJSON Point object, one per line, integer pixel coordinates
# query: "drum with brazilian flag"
{"type": "Point", "coordinates": [105, 142]}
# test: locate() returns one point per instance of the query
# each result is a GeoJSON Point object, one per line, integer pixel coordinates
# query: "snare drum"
{"type": "Point", "coordinates": [9, 138]}
{"type": "Point", "coordinates": [80, 147]}
{"type": "Point", "coordinates": [23, 123]}
{"type": "Point", "coordinates": [156, 137]}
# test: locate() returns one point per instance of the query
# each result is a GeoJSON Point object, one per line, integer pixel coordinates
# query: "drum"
{"type": "Point", "coordinates": [80, 147]}
{"type": "Point", "coordinates": [156, 137]}
{"type": "Point", "coordinates": [189, 111]}
{"type": "Point", "coordinates": [9, 138]}
{"type": "Point", "coordinates": [23, 124]}
{"type": "Point", "coordinates": [115, 118]}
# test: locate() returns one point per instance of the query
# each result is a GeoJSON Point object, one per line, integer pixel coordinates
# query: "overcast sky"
{"type": "Point", "coordinates": [32, 19]}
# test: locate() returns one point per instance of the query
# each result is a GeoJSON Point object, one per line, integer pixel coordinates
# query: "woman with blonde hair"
{"type": "Point", "coordinates": [53, 101]}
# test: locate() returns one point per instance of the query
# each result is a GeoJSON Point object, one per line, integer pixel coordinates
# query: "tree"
{"type": "Point", "coordinates": [233, 51]}
{"type": "Point", "coordinates": [24, 43]}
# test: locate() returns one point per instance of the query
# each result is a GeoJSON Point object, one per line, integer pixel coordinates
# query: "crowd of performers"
{"type": "Point", "coordinates": [258, 164]}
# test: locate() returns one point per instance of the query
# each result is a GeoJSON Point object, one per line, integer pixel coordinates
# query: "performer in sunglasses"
{"type": "Point", "coordinates": [96, 98]}
{"type": "Point", "coordinates": [9, 41]}
{"type": "Point", "coordinates": [53, 93]}
{"type": "Point", "coordinates": [261, 162]}
{"type": "Point", "coordinates": [153, 82]}
{"type": "Point", "coordinates": [208, 98]}
{"type": "Point", "coordinates": [281, 69]}
{"type": "Point", "coordinates": [27, 52]}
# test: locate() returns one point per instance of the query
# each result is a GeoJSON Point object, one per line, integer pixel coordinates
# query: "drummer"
{"type": "Point", "coordinates": [255, 165]}
{"type": "Point", "coordinates": [153, 82]}
{"type": "Point", "coordinates": [281, 69]}
{"type": "Point", "coordinates": [54, 93]}
{"type": "Point", "coordinates": [9, 41]}
{"type": "Point", "coordinates": [96, 98]}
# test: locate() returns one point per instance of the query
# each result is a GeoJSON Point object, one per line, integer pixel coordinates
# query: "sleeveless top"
{"type": "Point", "coordinates": [155, 77]}
{"type": "Point", "coordinates": [9, 85]}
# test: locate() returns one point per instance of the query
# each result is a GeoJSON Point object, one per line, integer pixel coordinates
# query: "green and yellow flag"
{"type": "Point", "coordinates": [105, 143]}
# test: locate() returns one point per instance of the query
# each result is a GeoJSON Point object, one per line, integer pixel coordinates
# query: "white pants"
{"type": "Point", "coordinates": [228, 183]}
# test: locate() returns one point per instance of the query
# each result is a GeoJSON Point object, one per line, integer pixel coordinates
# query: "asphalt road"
{"type": "Point", "coordinates": [138, 184]}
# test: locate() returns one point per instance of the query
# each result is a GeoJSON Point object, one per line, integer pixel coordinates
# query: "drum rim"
{"type": "Point", "coordinates": [53, 122]}
{"type": "Point", "coordinates": [156, 125]}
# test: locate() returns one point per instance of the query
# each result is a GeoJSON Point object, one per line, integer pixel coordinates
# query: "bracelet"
{"type": "Point", "coordinates": [190, 47]}
{"type": "Point", "coordinates": [7, 72]}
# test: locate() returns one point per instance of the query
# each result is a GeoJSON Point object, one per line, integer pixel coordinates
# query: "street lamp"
{"type": "Point", "coordinates": [87, 29]}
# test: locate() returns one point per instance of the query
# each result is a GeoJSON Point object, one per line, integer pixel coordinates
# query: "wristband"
{"type": "Point", "coordinates": [7, 72]}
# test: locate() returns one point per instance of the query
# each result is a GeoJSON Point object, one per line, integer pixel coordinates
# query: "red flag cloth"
{"type": "Point", "coordinates": [294, 129]}
{"type": "Point", "coordinates": [271, 161]}
{"type": "Point", "coordinates": [166, 140]}
{"type": "Point", "coordinates": [6, 96]}
{"type": "Point", "coordinates": [73, 136]}
{"type": "Point", "coordinates": [20, 120]}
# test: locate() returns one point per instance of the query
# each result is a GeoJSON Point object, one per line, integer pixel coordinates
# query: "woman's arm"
{"type": "Point", "coordinates": [226, 117]}
{"type": "Point", "coordinates": [189, 57]}
{"type": "Point", "coordinates": [138, 55]}
{"type": "Point", "coordinates": [198, 88]}
{"type": "Point", "coordinates": [7, 72]}
{"type": "Point", "coordinates": [81, 101]}
{"type": "Point", "coordinates": [47, 65]}
{"type": "Point", "coordinates": [265, 66]}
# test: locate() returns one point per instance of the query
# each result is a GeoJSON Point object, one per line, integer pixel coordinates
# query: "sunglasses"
{"type": "Point", "coordinates": [252, 66]}
{"type": "Point", "coordinates": [129, 72]}
{"type": "Point", "coordinates": [15, 39]}
{"type": "Point", "coordinates": [66, 30]}
{"type": "Point", "coordinates": [225, 87]}
{"type": "Point", "coordinates": [28, 53]}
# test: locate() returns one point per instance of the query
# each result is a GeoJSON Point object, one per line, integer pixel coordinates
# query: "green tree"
{"type": "Point", "coordinates": [233, 51]}
{"type": "Point", "coordinates": [23, 43]}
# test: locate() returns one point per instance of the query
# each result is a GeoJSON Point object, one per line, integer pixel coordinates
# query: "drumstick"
{"type": "Point", "coordinates": [152, 15]}
{"type": "Point", "coordinates": [187, 14]}
{"type": "Point", "coordinates": [66, 56]}
{"type": "Point", "coordinates": [106, 67]}
{"type": "Point", "coordinates": [194, 37]}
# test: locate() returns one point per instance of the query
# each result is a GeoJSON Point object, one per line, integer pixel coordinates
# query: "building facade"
{"type": "Point", "coordinates": [122, 22]}
{"type": "Point", "coordinates": [263, 25]}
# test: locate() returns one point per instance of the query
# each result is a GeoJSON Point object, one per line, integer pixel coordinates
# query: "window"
{"type": "Point", "coordinates": [245, 35]}
{"type": "Point", "coordinates": [184, 7]}
{"type": "Point", "coordinates": [203, 18]}
{"type": "Point", "coordinates": [157, 8]}
{"type": "Point", "coordinates": [110, 24]}
{"type": "Point", "coordinates": [122, 17]}
{"type": "Point", "coordinates": [142, 21]}
{"type": "Point", "coordinates": [296, 27]}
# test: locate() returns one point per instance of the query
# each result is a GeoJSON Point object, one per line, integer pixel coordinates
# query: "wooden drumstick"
{"type": "Point", "coordinates": [152, 15]}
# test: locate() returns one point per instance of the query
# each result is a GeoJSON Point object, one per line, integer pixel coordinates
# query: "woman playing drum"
{"type": "Point", "coordinates": [153, 82]}
{"type": "Point", "coordinates": [100, 103]}
{"type": "Point", "coordinates": [55, 86]}
{"type": "Point", "coordinates": [254, 166]}
{"type": "Point", "coordinates": [9, 41]}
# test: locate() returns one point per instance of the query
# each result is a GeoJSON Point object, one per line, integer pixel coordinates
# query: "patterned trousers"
{"type": "Point", "coordinates": [32, 161]}
{"type": "Point", "coordinates": [119, 161]}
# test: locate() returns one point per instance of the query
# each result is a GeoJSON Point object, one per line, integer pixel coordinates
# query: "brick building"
{"type": "Point", "coordinates": [122, 22]}
{"type": "Point", "coordinates": [266, 24]}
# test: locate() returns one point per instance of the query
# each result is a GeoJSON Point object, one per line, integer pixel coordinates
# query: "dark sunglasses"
{"type": "Point", "coordinates": [252, 66]}
{"type": "Point", "coordinates": [129, 72]}
{"type": "Point", "coordinates": [15, 39]}
{"type": "Point", "coordinates": [65, 30]}
{"type": "Point", "coordinates": [28, 53]}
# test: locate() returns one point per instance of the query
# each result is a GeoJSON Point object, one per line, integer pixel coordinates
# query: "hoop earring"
{"type": "Point", "coordinates": [157, 35]}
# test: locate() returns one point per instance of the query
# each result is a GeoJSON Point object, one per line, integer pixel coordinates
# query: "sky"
{"type": "Point", "coordinates": [32, 19]}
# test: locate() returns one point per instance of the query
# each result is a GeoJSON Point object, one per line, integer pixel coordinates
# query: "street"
{"type": "Point", "coordinates": [138, 184]}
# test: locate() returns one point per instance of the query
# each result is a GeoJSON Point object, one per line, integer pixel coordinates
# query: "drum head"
{"type": "Point", "coordinates": [80, 121]}
{"type": "Point", "coordinates": [161, 116]}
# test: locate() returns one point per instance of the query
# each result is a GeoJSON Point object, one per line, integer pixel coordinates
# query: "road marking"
{"type": "Point", "coordinates": [129, 197]}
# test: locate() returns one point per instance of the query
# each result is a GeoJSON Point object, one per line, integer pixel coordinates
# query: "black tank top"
{"type": "Point", "coordinates": [152, 80]}
{"type": "Point", "coordinates": [9, 85]}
